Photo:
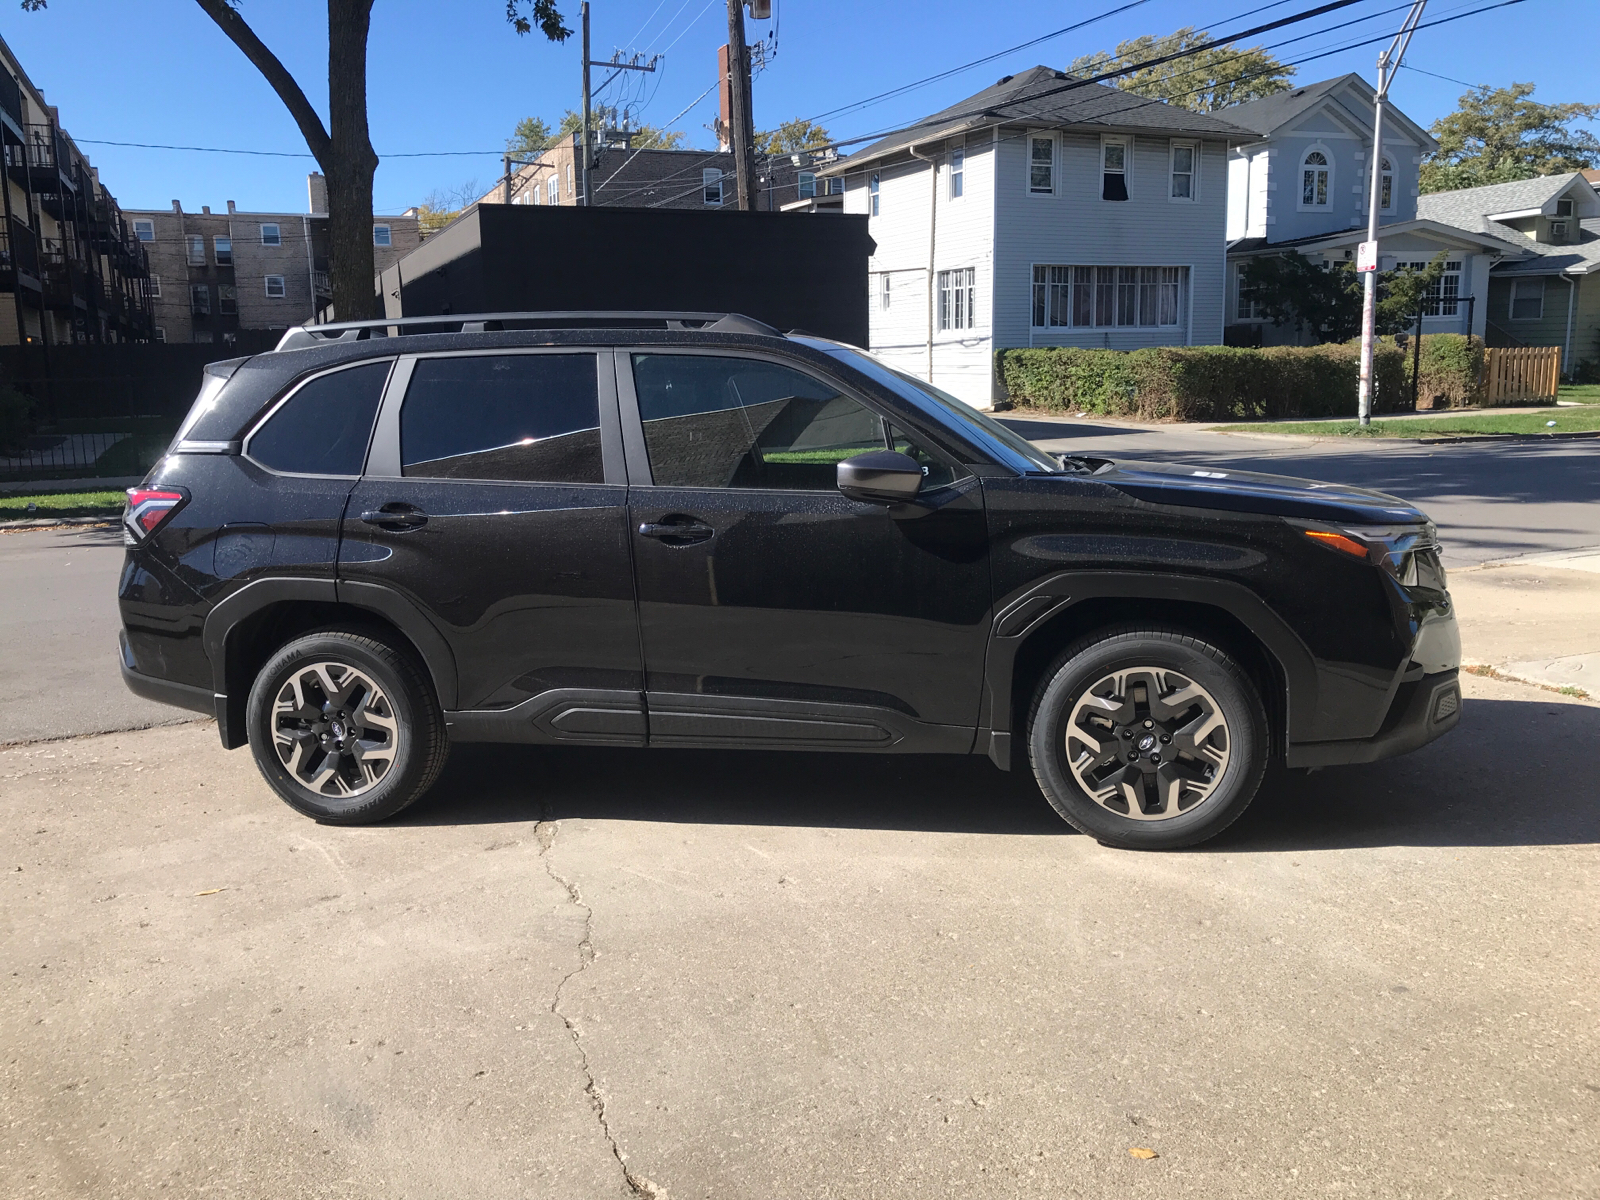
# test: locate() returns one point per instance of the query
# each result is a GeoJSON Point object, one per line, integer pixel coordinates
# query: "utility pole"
{"type": "Point", "coordinates": [743, 133]}
{"type": "Point", "coordinates": [1367, 258]}
{"type": "Point", "coordinates": [584, 9]}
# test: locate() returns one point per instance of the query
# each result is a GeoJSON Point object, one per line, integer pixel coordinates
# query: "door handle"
{"type": "Point", "coordinates": [396, 517]}
{"type": "Point", "coordinates": [673, 533]}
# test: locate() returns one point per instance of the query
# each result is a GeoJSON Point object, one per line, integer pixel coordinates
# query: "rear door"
{"type": "Point", "coordinates": [773, 610]}
{"type": "Point", "coordinates": [495, 500]}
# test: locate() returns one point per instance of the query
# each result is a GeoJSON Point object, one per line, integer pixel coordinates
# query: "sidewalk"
{"type": "Point", "coordinates": [1534, 619]}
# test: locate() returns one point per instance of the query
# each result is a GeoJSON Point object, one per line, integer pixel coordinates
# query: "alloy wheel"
{"type": "Point", "coordinates": [1147, 743]}
{"type": "Point", "coordinates": [334, 729]}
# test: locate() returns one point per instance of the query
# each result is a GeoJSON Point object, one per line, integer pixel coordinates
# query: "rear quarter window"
{"type": "Point", "coordinates": [324, 427]}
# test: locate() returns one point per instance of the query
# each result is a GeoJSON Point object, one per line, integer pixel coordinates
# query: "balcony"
{"type": "Point", "coordinates": [19, 249]}
{"type": "Point", "coordinates": [11, 99]}
{"type": "Point", "coordinates": [320, 284]}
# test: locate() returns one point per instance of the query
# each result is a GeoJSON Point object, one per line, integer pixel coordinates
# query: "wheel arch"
{"type": "Point", "coordinates": [1040, 621]}
{"type": "Point", "coordinates": [245, 629]}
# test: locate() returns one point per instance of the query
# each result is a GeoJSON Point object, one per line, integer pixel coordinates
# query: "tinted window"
{"type": "Point", "coordinates": [323, 429]}
{"type": "Point", "coordinates": [528, 418]}
{"type": "Point", "coordinates": [742, 423]}
{"type": "Point", "coordinates": [935, 472]}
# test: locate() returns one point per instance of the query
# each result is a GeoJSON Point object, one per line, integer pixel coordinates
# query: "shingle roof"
{"type": "Point", "coordinates": [1046, 97]}
{"type": "Point", "coordinates": [1576, 258]}
{"type": "Point", "coordinates": [1469, 208]}
{"type": "Point", "coordinates": [1264, 115]}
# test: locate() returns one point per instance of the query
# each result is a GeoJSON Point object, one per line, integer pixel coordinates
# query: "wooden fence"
{"type": "Point", "coordinates": [1521, 374]}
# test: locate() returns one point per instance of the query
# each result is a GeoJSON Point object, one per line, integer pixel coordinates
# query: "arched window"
{"type": "Point", "coordinates": [1316, 181]}
{"type": "Point", "coordinates": [1386, 186]}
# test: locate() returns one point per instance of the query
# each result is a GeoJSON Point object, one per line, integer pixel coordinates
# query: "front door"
{"type": "Point", "coordinates": [773, 610]}
{"type": "Point", "coordinates": [495, 501]}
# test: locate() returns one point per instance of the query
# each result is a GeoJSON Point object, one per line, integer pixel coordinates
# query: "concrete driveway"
{"type": "Point", "coordinates": [609, 973]}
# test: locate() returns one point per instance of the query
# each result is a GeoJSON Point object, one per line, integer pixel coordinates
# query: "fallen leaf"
{"type": "Point", "coordinates": [1141, 1152]}
{"type": "Point", "coordinates": [212, 892]}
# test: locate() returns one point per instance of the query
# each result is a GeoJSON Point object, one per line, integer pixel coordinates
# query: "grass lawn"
{"type": "Point", "coordinates": [1583, 393]}
{"type": "Point", "coordinates": [1565, 420]}
{"type": "Point", "coordinates": [14, 507]}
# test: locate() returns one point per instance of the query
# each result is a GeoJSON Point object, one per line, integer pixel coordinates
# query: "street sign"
{"type": "Point", "coordinates": [1367, 256]}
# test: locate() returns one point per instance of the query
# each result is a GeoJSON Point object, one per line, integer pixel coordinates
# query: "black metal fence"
{"type": "Point", "coordinates": [81, 456]}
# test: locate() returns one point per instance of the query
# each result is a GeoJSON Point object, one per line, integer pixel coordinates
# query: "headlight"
{"type": "Point", "coordinates": [1410, 553]}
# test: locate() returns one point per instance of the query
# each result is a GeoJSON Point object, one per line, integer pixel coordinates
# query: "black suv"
{"type": "Point", "coordinates": [688, 529]}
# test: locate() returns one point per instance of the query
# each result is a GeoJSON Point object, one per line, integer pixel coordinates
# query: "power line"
{"type": "Point", "coordinates": [1446, 78]}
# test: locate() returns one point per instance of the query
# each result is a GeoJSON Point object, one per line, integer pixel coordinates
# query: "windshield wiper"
{"type": "Point", "coordinates": [1083, 464]}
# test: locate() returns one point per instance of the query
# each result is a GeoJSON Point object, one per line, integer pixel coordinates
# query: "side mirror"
{"type": "Point", "coordinates": [880, 477]}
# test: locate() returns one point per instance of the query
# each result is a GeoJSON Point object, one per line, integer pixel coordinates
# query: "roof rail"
{"type": "Point", "coordinates": [301, 336]}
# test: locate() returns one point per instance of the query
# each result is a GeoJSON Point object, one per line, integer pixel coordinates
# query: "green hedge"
{"type": "Point", "coordinates": [1452, 371]}
{"type": "Point", "coordinates": [1202, 383]}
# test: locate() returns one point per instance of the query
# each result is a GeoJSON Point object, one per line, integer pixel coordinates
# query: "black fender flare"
{"type": "Point", "coordinates": [259, 594]}
{"type": "Point", "coordinates": [1020, 614]}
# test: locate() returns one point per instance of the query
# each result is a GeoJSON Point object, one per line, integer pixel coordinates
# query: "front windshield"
{"type": "Point", "coordinates": [917, 390]}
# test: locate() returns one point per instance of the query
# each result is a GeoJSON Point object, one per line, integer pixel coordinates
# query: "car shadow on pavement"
{"type": "Point", "coordinates": [1512, 774]}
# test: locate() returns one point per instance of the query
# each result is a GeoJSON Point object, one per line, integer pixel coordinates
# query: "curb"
{"type": "Point", "coordinates": [1584, 435]}
{"type": "Point", "coordinates": [1487, 671]}
{"type": "Point", "coordinates": [55, 522]}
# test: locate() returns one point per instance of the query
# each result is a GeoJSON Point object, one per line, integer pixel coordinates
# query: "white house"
{"type": "Point", "coordinates": [1042, 212]}
{"type": "Point", "coordinates": [1302, 182]}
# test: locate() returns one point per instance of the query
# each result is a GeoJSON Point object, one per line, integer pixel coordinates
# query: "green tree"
{"type": "Point", "coordinates": [791, 136]}
{"type": "Point", "coordinates": [343, 147]}
{"type": "Point", "coordinates": [1500, 134]}
{"type": "Point", "coordinates": [1213, 78]}
{"type": "Point", "coordinates": [1324, 299]}
{"type": "Point", "coordinates": [531, 135]}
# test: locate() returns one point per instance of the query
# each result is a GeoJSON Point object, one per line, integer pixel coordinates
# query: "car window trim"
{"type": "Point", "coordinates": [289, 395]}
{"type": "Point", "coordinates": [637, 454]}
{"type": "Point", "coordinates": [384, 460]}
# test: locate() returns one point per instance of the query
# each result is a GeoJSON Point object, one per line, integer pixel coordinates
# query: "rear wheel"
{"type": "Point", "coordinates": [345, 727]}
{"type": "Point", "coordinates": [1148, 738]}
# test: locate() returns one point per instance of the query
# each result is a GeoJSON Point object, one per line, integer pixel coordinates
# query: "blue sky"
{"type": "Point", "coordinates": [453, 76]}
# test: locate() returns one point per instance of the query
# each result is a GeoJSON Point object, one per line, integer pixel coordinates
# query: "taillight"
{"type": "Point", "coordinates": [148, 509]}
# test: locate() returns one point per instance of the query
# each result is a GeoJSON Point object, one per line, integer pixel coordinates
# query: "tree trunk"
{"type": "Point", "coordinates": [351, 163]}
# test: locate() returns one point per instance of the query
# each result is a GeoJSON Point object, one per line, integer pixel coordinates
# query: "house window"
{"type": "Point", "coordinates": [835, 186]}
{"type": "Point", "coordinates": [202, 337]}
{"type": "Point", "coordinates": [155, 285]}
{"type": "Point", "coordinates": [145, 231]}
{"type": "Point", "coordinates": [227, 299]}
{"type": "Point", "coordinates": [1527, 299]}
{"type": "Point", "coordinates": [1386, 187]}
{"type": "Point", "coordinates": [161, 333]}
{"type": "Point", "coordinates": [271, 235]}
{"type": "Point", "coordinates": [1042, 165]}
{"type": "Point", "coordinates": [1107, 297]}
{"type": "Point", "coordinates": [569, 179]}
{"type": "Point", "coordinates": [380, 236]}
{"type": "Point", "coordinates": [711, 186]}
{"type": "Point", "coordinates": [1558, 231]}
{"type": "Point", "coordinates": [1564, 207]}
{"type": "Point", "coordinates": [1182, 171]}
{"type": "Point", "coordinates": [1114, 169]}
{"type": "Point", "coordinates": [808, 185]}
{"type": "Point", "coordinates": [200, 299]}
{"type": "Point", "coordinates": [538, 194]}
{"type": "Point", "coordinates": [874, 191]}
{"type": "Point", "coordinates": [1316, 178]}
{"type": "Point", "coordinates": [956, 298]}
{"type": "Point", "coordinates": [274, 287]}
{"type": "Point", "coordinates": [883, 291]}
{"type": "Point", "coordinates": [223, 246]}
{"type": "Point", "coordinates": [197, 250]}
{"type": "Point", "coordinates": [1442, 299]}
{"type": "Point", "coordinates": [553, 190]}
{"type": "Point", "coordinates": [958, 172]}
{"type": "Point", "coordinates": [1249, 307]}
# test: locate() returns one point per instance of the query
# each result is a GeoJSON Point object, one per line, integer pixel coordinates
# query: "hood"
{"type": "Point", "coordinates": [1253, 492]}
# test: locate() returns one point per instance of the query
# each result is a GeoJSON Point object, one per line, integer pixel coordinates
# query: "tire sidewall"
{"type": "Point", "coordinates": [394, 790]}
{"type": "Point", "coordinates": [1213, 670]}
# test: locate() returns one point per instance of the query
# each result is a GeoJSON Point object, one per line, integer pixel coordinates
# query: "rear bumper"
{"type": "Point", "coordinates": [163, 691]}
{"type": "Point", "coordinates": [1432, 709]}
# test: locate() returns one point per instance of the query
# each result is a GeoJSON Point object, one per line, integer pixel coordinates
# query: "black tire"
{"type": "Point", "coordinates": [382, 689]}
{"type": "Point", "coordinates": [1216, 684]}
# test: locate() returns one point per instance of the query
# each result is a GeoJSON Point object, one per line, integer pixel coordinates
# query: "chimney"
{"type": "Point", "coordinates": [231, 208]}
{"type": "Point", "coordinates": [176, 207]}
{"type": "Point", "coordinates": [317, 190]}
{"type": "Point", "coordinates": [206, 209]}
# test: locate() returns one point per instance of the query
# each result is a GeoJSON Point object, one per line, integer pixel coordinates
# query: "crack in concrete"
{"type": "Point", "coordinates": [544, 832]}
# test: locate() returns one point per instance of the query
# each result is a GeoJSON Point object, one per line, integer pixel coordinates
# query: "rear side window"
{"type": "Point", "coordinates": [524, 418]}
{"type": "Point", "coordinates": [743, 423]}
{"type": "Point", "coordinates": [323, 429]}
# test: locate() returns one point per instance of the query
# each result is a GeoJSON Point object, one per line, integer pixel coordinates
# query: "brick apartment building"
{"type": "Point", "coordinates": [71, 270]}
{"type": "Point", "coordinates": [213, 274]}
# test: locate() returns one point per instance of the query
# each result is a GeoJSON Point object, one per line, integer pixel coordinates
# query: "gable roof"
{"type": "Point", "coordinates": [1045, 97]}
{"type": "Point", "coordinates": [1448, 235]}
{"type": "Point", "coordinates": [1271, 113]}
{"type": "Point", "coordinates": [1472, 208]}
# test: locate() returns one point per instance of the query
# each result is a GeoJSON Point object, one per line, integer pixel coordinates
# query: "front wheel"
{"type": "Point", "coordinates": [345, 728]}
{"type": "Point", "coordinates": [1148, 738]}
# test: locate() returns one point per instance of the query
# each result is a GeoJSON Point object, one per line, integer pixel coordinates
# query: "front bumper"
{"type": "Point", "coordinates": [1424, 709]}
